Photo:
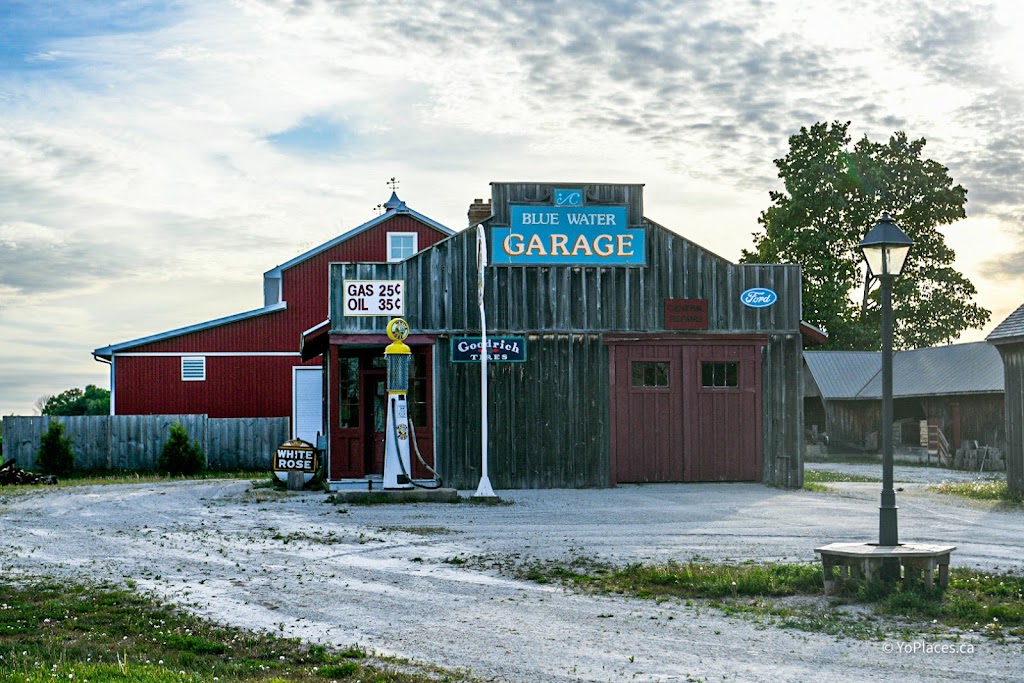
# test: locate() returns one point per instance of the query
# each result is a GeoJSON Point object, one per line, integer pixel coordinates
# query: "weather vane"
{"type": "Point", "coordinates": [379, 209]}
{"type": "Point", "coordinates": [393, 184]}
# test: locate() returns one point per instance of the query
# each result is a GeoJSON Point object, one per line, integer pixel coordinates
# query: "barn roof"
{"type": "Point", "coordinates": [1010, 330]}
{"type": "Point", "coordinates": [393, 207]}
{"type": "Point", "coordinates": [842, 374]}
{"type": "Point", "coordinates": [973, 368]}
{"type": "Point", "coordinates": [108, 351]}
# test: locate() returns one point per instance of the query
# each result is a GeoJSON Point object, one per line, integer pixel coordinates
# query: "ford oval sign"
{"type": "Point", "coordinates": [758, 297]}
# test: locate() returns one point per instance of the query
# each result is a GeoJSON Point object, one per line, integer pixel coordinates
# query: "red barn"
{"type": "Point", "coordinates": [248, 364]}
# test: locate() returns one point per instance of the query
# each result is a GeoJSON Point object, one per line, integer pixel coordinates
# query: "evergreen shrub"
{"type": "Point", "coordinates": [55, 455]}
{"type": "Point", "coordinates": [180, 455]}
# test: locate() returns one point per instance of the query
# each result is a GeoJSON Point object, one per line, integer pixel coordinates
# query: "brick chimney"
{"type": "Point", "coordinates": [479, 210]}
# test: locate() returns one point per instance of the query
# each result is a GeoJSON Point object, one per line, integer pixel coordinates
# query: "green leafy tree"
{"type": "Point", "coordinates": [833, 195]}
{"type": "Point", "coordinates": [181, 455]}
{"type": "Point", "coordinates": [55, 455]}
{"type": "Point", "coordinates": [92, 401]}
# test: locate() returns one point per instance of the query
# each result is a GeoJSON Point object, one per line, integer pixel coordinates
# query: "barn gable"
{"type": "Point", "coordinates": [248, 364]}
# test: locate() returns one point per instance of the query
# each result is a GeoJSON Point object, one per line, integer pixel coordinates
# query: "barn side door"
{"type": "Point", "coordinates": [724, 424]}
{"type": "Point", "coordinates": [647, 413]}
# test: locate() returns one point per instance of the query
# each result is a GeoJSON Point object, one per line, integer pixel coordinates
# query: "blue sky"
{"type": "Point", "coordinates": [157, 157]}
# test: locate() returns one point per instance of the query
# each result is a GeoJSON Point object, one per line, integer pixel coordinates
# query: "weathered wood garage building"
{"type": "Point", "coordinates": [642, 357]}
{"type": "Point", "coordinates": [1008, 338]}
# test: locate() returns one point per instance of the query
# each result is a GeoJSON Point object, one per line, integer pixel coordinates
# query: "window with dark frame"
{"type": "Point", "coordinates": [716, 374]}
{"type": "Point", "coordinates": [348, 392]}
{"type": "Point", "coordinates": [417, 397]}
{"type": "Point", "coordinates": [650, 374]}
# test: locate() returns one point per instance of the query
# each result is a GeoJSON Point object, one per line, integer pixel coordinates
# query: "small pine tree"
{"type": "Point", "coordinates": [179, 455]}
{"type": "Point", "coordinates": [55, 455]}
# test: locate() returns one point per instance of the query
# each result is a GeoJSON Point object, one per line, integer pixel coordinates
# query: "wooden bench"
{"type": "Point", "coordinates": [864, 561]}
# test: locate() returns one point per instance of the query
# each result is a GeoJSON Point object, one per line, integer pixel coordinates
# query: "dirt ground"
{"type": "Point", "coordinates": [382, 575]}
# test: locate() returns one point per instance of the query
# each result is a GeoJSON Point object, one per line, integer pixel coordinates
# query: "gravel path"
{"type": "Point", "coordinates": [381, 575]}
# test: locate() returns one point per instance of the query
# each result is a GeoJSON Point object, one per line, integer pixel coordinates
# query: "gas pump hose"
{"type": "Point", "coordinates": [412, 438]}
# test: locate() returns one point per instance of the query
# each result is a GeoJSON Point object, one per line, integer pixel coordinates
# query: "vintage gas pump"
{"type": "Point", "coordinates": [397, 465]}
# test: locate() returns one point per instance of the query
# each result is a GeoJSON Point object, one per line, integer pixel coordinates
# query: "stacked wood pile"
{"type": "Point", "coordinates": [9, 474]}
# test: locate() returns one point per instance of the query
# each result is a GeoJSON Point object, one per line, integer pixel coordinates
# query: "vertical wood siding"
{"type": "Point", "coordinates": [548, 417]}
{"type": "Point", "coordinates": [134, 442]}
{"type": "Point", "coordinates": [1013, 369]}
{"type": "Point", "coordinates": [441, 283]}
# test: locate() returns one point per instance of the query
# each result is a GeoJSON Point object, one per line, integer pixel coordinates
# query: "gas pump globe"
{"type": "Point", "coordinates": [397, 464]}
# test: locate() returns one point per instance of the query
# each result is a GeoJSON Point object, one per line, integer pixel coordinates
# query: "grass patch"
{"type": "Point", "coordinates": [792, 595]}
{"type": "Point", "coordinates": [52, 630]}
{"type": "Point", "coordinates": [994, 490]}
{"type": "Point", "coordinates": [826, 477]}
{"type": "Point", "coordinates": [818, 480]}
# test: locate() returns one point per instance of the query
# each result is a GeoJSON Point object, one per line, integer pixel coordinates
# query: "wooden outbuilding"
{"type": "Point", "coordinates": [955, 390]}
{"type": "Point", "coordinates": [1008, 338]}
{"type": "Point", "coordinates": [620, 352]}
{"type": "Point", "coordinates": [247, 364]}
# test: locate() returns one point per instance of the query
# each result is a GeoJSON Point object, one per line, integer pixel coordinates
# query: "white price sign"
{"type": "Point", "coordinates": [374, 297]}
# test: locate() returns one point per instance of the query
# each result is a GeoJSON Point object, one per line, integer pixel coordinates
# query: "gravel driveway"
{"type": "Point", "coordinates": [380, 575]}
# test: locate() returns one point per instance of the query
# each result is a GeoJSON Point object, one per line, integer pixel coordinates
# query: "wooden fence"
{"type": "Point", "coordinates": [133, 442]}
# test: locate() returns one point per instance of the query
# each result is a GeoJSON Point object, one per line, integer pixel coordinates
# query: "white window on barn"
{"type": "Point", "coordinates": [402, 245]}
{"type": "Point", "coordinates": [193, 368]}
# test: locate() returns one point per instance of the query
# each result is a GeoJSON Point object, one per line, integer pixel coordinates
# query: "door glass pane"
{"type": "Point", "coordinates": [418, 390]}
{"type": "Point", "coordinates": [717, 374]}
{"type": "Point", "coordinates": [650, 374]}
{"type": "Point", "coordinates": [348, 392]}
{"type": "Point", "coordinates": [380, 405]}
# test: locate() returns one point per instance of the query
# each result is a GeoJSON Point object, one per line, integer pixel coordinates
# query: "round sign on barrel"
{"type": "Point", "coordinates": [296, 455]}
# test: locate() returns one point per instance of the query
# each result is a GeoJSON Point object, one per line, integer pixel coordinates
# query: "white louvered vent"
{"type": "Point", "coordinates": [193, 368]}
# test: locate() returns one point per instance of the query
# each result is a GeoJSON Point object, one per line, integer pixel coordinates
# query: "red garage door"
{"type": "Point", "coordinates": [686, 409]}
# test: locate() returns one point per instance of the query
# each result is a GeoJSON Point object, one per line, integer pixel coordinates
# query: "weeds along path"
{"type": "Point", "coordinates": [392, 578]}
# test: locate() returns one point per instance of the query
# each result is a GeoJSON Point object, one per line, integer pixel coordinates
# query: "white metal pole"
{"type": "Point", "coordinates": [484, 489]}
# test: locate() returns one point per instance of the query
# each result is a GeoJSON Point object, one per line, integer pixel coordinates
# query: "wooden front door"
{"type": "Point", "coordinates": [375, 405]}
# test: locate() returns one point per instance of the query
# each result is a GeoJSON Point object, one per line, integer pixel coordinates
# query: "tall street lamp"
{"type": "Point", "coordinates": [885, 249]}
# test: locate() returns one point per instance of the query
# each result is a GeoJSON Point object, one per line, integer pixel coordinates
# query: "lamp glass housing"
{"type": "Point", "coordinates": [886, 259]}
{"type": "Point", "coordinates": [885, 247]}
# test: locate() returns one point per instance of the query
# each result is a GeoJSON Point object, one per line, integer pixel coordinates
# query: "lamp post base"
{"type": "Point", "coordinates": [888, 536]}
{"type": "Point", "coordinates": [888, 527]}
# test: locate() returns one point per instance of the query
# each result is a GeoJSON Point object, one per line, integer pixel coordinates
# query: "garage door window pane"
{"type": "Point", "coordinates": [719, 374]}
{"type": "Point", "coordinates": [650, 374]}
{"type": "Point", "coordinates": [348, 392]}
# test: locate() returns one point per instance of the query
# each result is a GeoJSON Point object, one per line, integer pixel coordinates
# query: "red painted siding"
{"type": "Point", "coordinates": [235, 386]}
{"type": "Point", "coordinates": [250, 386]}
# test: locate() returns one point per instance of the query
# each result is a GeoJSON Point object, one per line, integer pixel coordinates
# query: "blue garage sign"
{"type": "Point", "coordinates": [500, 349]}
{"type": "Point", "coordinates": [759, 297]}
{"type": "Point", "coordinates": [567, 234]}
